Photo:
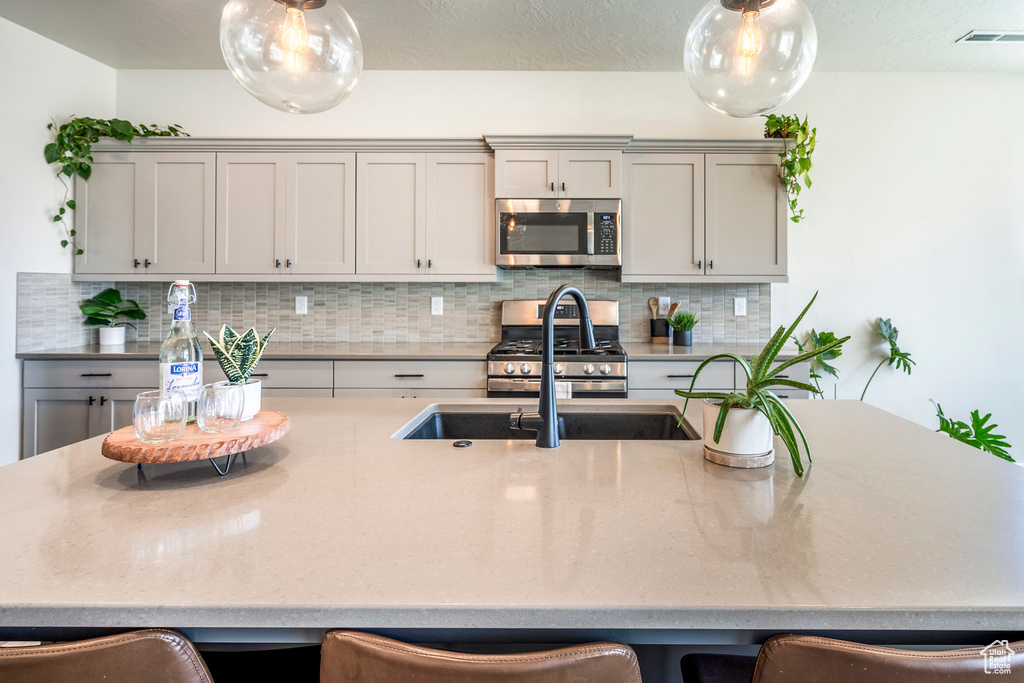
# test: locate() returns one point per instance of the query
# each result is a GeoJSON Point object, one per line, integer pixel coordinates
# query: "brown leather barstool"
{"type": "Point", "coordinates": [809, 659]}
{"type": "Point", "coordinates": [150, 656]}
{"type": "Point", "coordinates": [353, 657]}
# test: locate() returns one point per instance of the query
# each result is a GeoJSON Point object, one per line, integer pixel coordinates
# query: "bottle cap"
{"type": "Point", "coordinates": [181, 283]}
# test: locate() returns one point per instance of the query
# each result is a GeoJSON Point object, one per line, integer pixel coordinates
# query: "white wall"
{"type": "Point", "coordinates": [917, 212]}
{"type": "Point", "coordinates": [40, 80]}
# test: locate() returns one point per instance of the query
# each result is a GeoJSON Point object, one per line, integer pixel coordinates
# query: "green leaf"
{"type": "Point", "coordinates": [109, 296]}
{"type": "Point", "coordinates": [64, 243]}
{"type": "Point", "coordinates": [51, 153]}
{"type": "Point", "coordinates": [71, 204]}
{"type": "Point", "coordinates": [779, 340]}
{"type": "Point", "coordinates": [978, 433]}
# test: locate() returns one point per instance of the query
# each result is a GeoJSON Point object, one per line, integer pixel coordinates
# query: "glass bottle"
{"type": "Point", "coordinates": [181, 356]}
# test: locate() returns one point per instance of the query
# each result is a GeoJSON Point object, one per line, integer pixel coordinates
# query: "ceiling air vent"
{"type": "Point", "coordinates": [993, 37]}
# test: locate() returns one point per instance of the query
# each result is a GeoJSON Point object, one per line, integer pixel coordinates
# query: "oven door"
{"type": "Point", "coordinates": [544, 232]}
{"type": "Point", "coordinates": [509, 387]}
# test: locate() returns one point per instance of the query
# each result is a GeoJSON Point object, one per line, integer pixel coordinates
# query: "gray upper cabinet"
{"type": "Point", "coordinates": [391, 214]}
{"type": "Point", "coordinates": [663, 225]}
{"type": "Point", "coordinates": [108, 208]}
{"type": "Point", "coordinates": [150, 212]}
{"type": "Point", "coordinates": [321, 213]}
{"type": "Point", "coordinates": [251, 190]}
{"type": "Point", "coordinates": [460, 214]}
{"type": "Point", "coordinates": [746, 218]}
{"type": "Point", "coordinates": [544, 173]}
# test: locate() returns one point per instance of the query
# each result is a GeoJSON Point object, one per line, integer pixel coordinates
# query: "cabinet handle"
{"type": "Point", "coordinates": [103, 400]}
{"type": "Point", "coordinates": [91, 400]}
{"type": "Point", "coordinates": [679, 376]}
{"type": "Point", "coordinates": [781, 376]}
{"type": "Point", "coordinates": [277, 263]}
{"type": "Point", "coordinates": [147, 263]}
{"type": "Point", "coordinates": [563, 187]}
{"type": "Point", "coordinates": [552, 187]}
{"type": "Point", "coordinates": [408, 376]}
{"type": "Point", "coordinates": [711, 264]}
{"type": "Point", "coordinates": [260, 374]}
{"type": "Point", "coordinates": [288, 263]}
{"type": "Point", "coordinates": [419, 263]}
{"type": "Point", "coordinates": [430, 263]}
{"type": "Point", "coordinates": [136, 263]}
{"type": "Point", "coordinates": [97, 374]}
{"type": "Point", "coordinates": [700, 264]}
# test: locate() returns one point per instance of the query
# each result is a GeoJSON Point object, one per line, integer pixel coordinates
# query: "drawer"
{"type": "Point", "coordinates": [287, 374]}
{"type": "Point", "coordinates": [801, 372]}
{"type": "Point", "coordinates": [298, 393]}
{"type": "Point", "coordinates": [92, 374]}
{"type": "Point", "coordinates": [666, 393]}
{"type": "Point", "coordinates": [677, 374]}
{"type": "Point", "coordinates": [387, 374]}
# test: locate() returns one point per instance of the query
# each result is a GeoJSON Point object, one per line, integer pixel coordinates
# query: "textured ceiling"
{"type": "Point", "coordinates": [561, 35]}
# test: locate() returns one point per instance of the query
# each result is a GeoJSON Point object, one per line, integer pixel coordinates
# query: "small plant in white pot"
{"type": "Point", "coordinates": [738, 427]}
{"type": "Point", "coordinates": [238, 355]}
{"type": "Point", "coordinates": [112, 314]}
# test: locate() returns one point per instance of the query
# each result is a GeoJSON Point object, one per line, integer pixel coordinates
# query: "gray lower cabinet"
{"type": "Point", "coordinates": [410, 379]}
{"type": "Point", "coordinates": [57, 417]}
{"type": "Point", "coordinates": [660, 378]}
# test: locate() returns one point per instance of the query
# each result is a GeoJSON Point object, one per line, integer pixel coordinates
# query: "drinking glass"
{"type": "Point", "coordinates": [220, 406]}
{"type": "Point", "coordinates": [159, 417]}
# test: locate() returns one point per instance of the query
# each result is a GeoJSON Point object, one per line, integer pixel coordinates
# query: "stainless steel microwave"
{"type": "Point", "coordinates": [558, 233]}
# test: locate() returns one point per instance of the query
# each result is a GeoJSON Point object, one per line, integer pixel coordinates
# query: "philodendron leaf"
{"type": "Point", "coordinates": [977, 434]}
{"type": "Point", "coordinates": [109, 296]}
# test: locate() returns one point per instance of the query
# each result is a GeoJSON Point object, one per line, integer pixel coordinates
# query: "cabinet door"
{"type": "Point", "coordinates": [526, 173]}
{"type": "Point", "coordinates": [115, 410]}
{"type": "Point", "coordinates": [57, 417]}
{"type": "Point", "coordinates": [109, 205]}
{"type": "Point", "coordinates": [321, 219]}
{"type": "Point", "coordinates": [745, 215]}
{"type": "Point", "coordinates": [176, 232]}
{"type": "Point", "coordinates": [250, 213]}
{"type": "Point", "coordinates": [460, 214]}
{"type": "Point", "coordinates": [590, 174]}
{"type": "Point", "coordinates": [391, 213]}
{"type": "Point", "coordinates": [663, 226]}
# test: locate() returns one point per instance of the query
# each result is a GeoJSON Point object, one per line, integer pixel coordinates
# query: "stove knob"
{"type": "Point", "coordinates": [588, 369]}
{"type": "Point", "coordinates": [510, 369]}
{"type": "Point", "coordinates": [558, 368]}
{"type": "Point", "coordinates": [606, 369]}
{"type": "Point", "coordinates": [525, 368]}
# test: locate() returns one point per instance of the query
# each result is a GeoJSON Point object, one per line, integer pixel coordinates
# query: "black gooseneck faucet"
{"type": "Point", "coordinates": [547, 425]}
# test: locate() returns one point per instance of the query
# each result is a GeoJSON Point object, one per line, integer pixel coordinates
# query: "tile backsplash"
{"type": "Point", "coordinates": [49, 319]}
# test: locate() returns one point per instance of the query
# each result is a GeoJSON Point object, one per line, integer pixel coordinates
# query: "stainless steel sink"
{"type": "Point", "coordinates": [612, 423]}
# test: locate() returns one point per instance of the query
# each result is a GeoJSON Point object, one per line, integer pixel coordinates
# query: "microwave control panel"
{"type": "Point", "coordinates": [606, 237]}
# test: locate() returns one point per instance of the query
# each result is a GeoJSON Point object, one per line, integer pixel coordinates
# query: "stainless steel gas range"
{"type": "Point", "coordinates": [514, 364]}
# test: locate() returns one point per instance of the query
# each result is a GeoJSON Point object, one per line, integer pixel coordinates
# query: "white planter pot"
{"type": "Point", "coordinates": [253, 393]}
{"type": "Point", "coordinates": [111, 336]}
{"type": "Point", "coordinates": [747, 432]}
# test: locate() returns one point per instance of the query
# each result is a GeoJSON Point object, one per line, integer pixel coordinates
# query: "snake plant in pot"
{"type": "Point", "coordinates": [738, 427]}
{"type": "Point", "coordinates": [238, 355]}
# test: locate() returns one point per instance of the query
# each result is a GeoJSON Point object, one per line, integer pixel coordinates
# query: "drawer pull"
{"type": "Point", "coordinates": [260, 374]}
{"type": "Point", "coordinates": [103, 400]}
{"type": "Point", "coordinates": [408, 376]}
{"type": "Point", "coordinates": [97, 374]}
{"type": "Point", "coordinates": [91, 400]}
{"type": "Point", "coordinates": [781, 376]}
{"type": "Point", "coordinates": [679, 376]}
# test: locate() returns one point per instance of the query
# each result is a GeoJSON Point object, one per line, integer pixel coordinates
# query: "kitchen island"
{"type": "Point", "coordinates": [894, 530]}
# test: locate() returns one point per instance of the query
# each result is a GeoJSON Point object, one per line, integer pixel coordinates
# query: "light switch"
{"type": "Point", "coordinates": [300, 305]}
{"type": "Point", "coordinates": [740, 306]}
{"type": "Point", "coordinates": [663, 305]}
{"type": "Point", "coordinates": [436, 305]}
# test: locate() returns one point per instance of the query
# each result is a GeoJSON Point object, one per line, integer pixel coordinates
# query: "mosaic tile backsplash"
{"type": "Point", "coordinates": [49, 319]}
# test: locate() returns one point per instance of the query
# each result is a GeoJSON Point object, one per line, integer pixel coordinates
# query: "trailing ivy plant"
{"type": "Point", "coordinates": [978, 433]}
{"type": "Point", "coordinates": [901, 359]}
{"type": "Point", "coordinates": [796, 165]}
{"type": "Point", "coordinates": [71, 149]}
{"type": "Point", "coordinates": [817, 341]}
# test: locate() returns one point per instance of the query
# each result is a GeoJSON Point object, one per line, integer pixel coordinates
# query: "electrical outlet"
{"type": "Point", "coordinates": [663, 305]}
{"type": "Point", "coordinates": [436, 305]}
{"type": "Point", "coordinates": [739, 305]}
{"type": "Point", "coordinates": [300, 305]}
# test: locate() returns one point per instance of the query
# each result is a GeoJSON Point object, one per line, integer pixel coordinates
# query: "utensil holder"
{"type": "Point", "coordinates": [661, 333]}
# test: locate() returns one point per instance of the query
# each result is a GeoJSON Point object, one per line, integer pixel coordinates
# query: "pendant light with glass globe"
{"type": "Point", "coordinates": [299, 56]}
{"type": "Point", "coordinates": [744, 58]}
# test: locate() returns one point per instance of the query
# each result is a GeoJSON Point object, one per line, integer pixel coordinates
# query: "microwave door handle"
{"type": "Point", "coordinates": [590, 233]}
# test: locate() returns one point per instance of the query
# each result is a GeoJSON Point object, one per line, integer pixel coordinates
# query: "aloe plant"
{"type": "Point", "coordinates": [901, 359]}
{"type": "Point", "coordinates": [758, 395]}
{"type": "Point", "coordinates": [978, 433]}
{"type": "Point", "coordinates": [107, 308]}
{"type": "Point", "coordinates": [683, 321]}
{"type": "Point", "coordinates": [238, 354]}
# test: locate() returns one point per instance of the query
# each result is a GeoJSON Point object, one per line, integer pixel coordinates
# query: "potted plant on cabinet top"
{"type": "Point", "coordinates": [682, 324]}
{"type": "Point", "coordinates": [755, 415]}
{"type": "Point", "coordinates": [107, 310]}
{"type": "Point", "coordinates": [238, 356]}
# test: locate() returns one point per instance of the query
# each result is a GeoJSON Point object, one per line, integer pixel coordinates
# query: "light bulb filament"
{"type": "Point", "coordinates": [296, 35]}
{"type": "Point", "coordinates": [749, 44]}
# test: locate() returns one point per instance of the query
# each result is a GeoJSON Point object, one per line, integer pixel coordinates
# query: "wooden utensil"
{"type": "Point", "coordinates": [672, 310]}
{"type": "Point", "coordinates": [653, 303]}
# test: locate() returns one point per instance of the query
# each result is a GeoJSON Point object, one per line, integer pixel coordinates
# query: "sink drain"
{"type": "Point", "coordinates": [462, 443]}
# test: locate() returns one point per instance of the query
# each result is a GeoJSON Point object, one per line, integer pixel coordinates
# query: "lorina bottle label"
{"type": "Point", "coordinates": [184, 377]}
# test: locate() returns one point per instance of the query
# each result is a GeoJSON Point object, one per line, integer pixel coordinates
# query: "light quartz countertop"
{"type": "Point", "coordinates": [389, 351]}
{"type": "Point", "coordinates": [893, 528]}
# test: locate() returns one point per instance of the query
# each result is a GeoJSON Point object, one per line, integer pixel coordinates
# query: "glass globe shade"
{"type": "Point", "coordinates": [299, 56]}
{"type": "Point", "coordinates": [744, 66]}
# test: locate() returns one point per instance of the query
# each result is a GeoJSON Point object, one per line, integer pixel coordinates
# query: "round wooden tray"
{"type": "Point", "coordinates": [195, 444]}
